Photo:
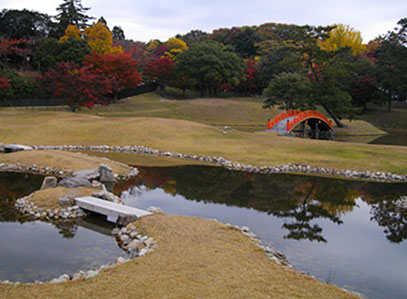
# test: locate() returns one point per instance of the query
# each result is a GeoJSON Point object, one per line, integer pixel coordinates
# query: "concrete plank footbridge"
{"type": "Point", "coordinates": [112, 210]}
{"type": "Point", "coordinates": [308, 123]}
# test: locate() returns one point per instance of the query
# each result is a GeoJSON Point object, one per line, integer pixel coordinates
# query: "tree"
{"type": "Point", "coordinates": [18, 86]}
{"type": "Point", "coordinates": [272, 64]}
{"type": "Point", "coordinates": [4, 84]}
{"type": "Point", "coordinates": [50, 52]}
{"type": "Point", "coordinates": [175, 46]}
{"type": "Point", "coordinates": [16, 24]}
{"type": "Point", "coordinates": [193, 36]}
{"type": "Point", "coordinates": [327, 71]}
{"type": "Point", "coordinates": [100, 39]}
{"type": "Point", "coordinates": [250, 84]}
{"type": "Point", "coordinates": [71, 12]}
{"type": "Point", "coordinates": [15, 50]}
{"type": "Point", "coordinates": [343, 36]}
{"type": "Point", "coordinates": [79, 86]}
{"type": "Point", "coordinates": [392, 64]}
{"type": "Point", "coordinates": [71, 31]}
{"type": "Point", "coordinates": [120, 68]}
{"type": "Point", "coordinates": [161, 70]}
{"type": "Point", "coordinates": [289, 91]}
{"type": "Point", "coordinates": [244, 42]}
{"type": "Point", "coordinates": [118, 33]}
{"type": "Point", "coordinates": [210, 64]}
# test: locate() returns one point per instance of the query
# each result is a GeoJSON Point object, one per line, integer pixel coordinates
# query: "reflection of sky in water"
{"type": "Point", "coordinates": [357, 255]}
{"type": "Point", "coordinates": [37, 251]}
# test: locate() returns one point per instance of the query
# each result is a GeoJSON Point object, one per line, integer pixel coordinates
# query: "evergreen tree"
{"type": "Point", "coordinates": [71, 12]}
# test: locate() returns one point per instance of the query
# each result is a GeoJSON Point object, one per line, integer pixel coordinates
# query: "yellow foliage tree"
{"type": "Point", "coordinates": [100, 39]}
{"type": "Point", "coordinates": [175, 46]}
{"type": "Point", "coordinates": [71, 31]}
{"type": "Point", "coordinates": [153, 44]}
{"type": "Point", "coordinates": [344, 36]}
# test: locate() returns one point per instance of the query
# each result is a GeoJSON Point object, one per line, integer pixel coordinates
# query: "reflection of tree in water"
{"type": "Point", "coordinates": [385, 213]}
{"type": "Point", "coordinates": [66, 228]}
{"type": "Point", "coordinates": [13, 186]}
{"type": "Point", "coordinates": [300, 200]}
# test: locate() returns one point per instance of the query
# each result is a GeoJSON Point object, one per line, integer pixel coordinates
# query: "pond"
{"type": "Point", "coordinates": [35, 250]}
{"type": "Point", "coordinates": [347, 233]}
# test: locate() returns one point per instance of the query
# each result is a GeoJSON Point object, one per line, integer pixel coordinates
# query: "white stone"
{"type": "Point", "coordinates": [91, 273]}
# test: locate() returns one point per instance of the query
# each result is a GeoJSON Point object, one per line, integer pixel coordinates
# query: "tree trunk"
{"type": "Point", "coordinates": [115, 97]}
{"type": "Point", "coordinates": [74, 105]}
{"type": "Point", "coordinates": [389, 104]}
{"type": "Point", "coordinates": [334, 117]}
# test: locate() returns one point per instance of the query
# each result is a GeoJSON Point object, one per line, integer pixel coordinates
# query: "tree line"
{"type": "Point", "coordinates": [294, 67]}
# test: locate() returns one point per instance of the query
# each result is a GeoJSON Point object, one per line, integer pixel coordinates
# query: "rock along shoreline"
{"type": "Point", "coordinates": [287, 168]}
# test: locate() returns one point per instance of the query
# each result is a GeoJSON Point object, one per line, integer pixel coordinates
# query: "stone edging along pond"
{"type": "Point", "coordinates": [346, 173]}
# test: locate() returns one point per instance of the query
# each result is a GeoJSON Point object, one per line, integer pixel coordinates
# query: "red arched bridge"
{"type": "Point", "coordinates": [301, 123]}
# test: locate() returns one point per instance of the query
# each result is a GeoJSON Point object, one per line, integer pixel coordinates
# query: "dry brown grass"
{"type": "Point", "coordinates": [195, 258]}
{"type": "Point", "coordinates": [61, 159]}
{"type": "Point", "coordinates": [146, 160]}
{"type": "Point", "coordinates": [260, 148]}
{"type": "Point", "coordinates": [48, 198]}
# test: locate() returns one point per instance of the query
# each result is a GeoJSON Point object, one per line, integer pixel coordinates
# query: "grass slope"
{"type": "Point", "coordinates": [195, 258]}
{"type": "Point", "coordinates": [259, 148]}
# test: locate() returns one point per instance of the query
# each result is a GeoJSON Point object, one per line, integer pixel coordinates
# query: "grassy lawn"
{"type": "Point", "coordinates": [195, 258]}
{"type": "Point", "coordinates": [126, 123]}
{"type": "Point", "coordinates": [61, 159]}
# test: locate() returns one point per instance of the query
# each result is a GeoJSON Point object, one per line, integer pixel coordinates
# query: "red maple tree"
{"type": "Point", "coordinates": [161, 70]}
{"type": "Point", "coordinates": [79, 86]}
{"type": "Point", "coordinates": [4, 84]}
{"type": "Point", "coordinates": [120, 68]}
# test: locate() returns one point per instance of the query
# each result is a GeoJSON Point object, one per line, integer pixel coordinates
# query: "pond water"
{"type": "Point", "coordinates": [36, 250]}
{"type": "Point", "coordinates": [343, 232]}
{"type": "Point", "coordinates": [393, 138]}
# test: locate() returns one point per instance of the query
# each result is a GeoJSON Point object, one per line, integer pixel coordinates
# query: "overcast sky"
{"type": "Point", "coordinates": [144, 20]}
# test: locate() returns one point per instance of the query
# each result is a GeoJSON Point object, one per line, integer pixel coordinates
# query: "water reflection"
{"type": "Point", "coordinates": [35, 250]}
{"type": "Point", "coordinates": [343, 232]}
{"type": "Point", "coordinates": [298, 200]}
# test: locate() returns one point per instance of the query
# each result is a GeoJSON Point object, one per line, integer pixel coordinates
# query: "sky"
{"type": "Point", "coordinates": [143, 20]}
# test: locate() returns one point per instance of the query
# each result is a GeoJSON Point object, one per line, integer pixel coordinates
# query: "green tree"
{"type": "Point", "coordinates": [328, 71]}
{"type": "Point", "coordinates": [210, 64]}
{"type": "Point", "coordinates": [118, 33]}
{"type": "Point", "coordinates": [51, 51]}
{"type": "Point", "coordinates": [392, 64]}
{"type": "Point", "coordinates": [71, 12]}
{"type": "Point", "coordinates": [289, 91]}
{"type": "Point", "coordinates": [26, 24]}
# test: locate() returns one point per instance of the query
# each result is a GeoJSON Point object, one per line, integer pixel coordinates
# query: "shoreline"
{"type": "Point", "coordinates": [287, 168]}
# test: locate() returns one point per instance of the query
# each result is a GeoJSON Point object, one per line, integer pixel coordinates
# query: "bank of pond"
{"type": "Point", "coordinates": [344, 232]}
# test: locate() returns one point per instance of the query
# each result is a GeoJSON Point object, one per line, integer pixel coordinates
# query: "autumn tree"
{"type": "Point", "coordinates": [100, 39]}
{"type": "Point", "coordinates": [78, 85]}
{"type": "Point", "coordinates": [289, 91]}
{"type": "Point", "coordinates": [120, 68]}
{"type": "Point", "coordinates": [210, 64]}
{"type": "Point", "coordinates": [15, 50]}
{"type": "Point", "coordinates": [4, 85]}
{"type": "Point", "coordinates": [175, 46]}
{"type": "Point", "coordinates": [160, 70]}
{"type": "Point", "coordinates": [71, 31]}
{"type": "Point", "coordinates": [343, 36]}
